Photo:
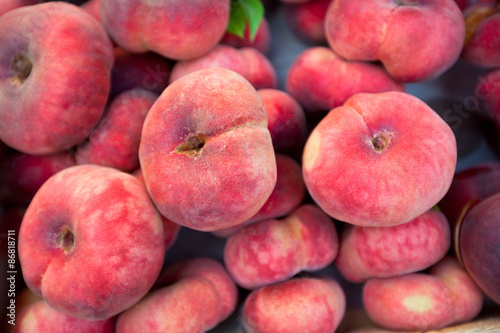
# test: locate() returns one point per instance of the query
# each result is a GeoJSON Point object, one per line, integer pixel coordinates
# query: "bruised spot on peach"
{"type": "Point", "coordinates": [21, 66]}
{"type": "Point", "coordinates": [193, 145]}
{"type": "Point", "coordinates": [65, 239]}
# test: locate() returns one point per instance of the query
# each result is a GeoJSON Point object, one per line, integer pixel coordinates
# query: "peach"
{"type": "Point", "coordinates": [95, 220]}
{"type": "Point", "coordinates": [286, 121]}
{"type": "Point", "coordinates": [272, 251]}
{"type": "Point", "coordinates": [148, 71]}
{"type": "Point", "coordinates": [306, 20]}
{"type": "Point", "coordinates": [287, 195]}
{"type": "Point", "coordinates": [367, 252]}
{"type": "Point", "coordinates": [21, 175]}
{"type": "Point", "coordinates": [40, 317]}
{"type": "Point", "coordinates": [199, 295]}
{"type": "Point", "coordinates": [482, 41]}
{"type": "Point", "coordinates": [51, 98]}
{"type": "Point", "coordinates": [177, 29]}
{"type": "Point", "coordinates": [478, 245]}
{"type": "Point", "coordinates": [247, 61]}
{"type": "Point", "coordinates": [206, 153]}
{"type": "Point", "coordinates": [115, 140]}
{"type": "Point", "coordinates": [320, 80]}
{"type": "Point", "coordinates": [170, 229]}
{"type": "Point", "coordinates": [260, 42]}
{"type": "Point", "coordinates": [379, 160]}
{"type": "Point", "coordinates": [314, 305]}
{"type": "Point", "coordinates": [416, 40]}
{"type": "Point", "coordinates": [468, 188]}
{"type": "Point", "coordinates": [418, 301]}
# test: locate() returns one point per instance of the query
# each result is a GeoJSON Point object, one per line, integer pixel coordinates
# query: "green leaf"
{"type": "Point", "coordinates": [245, 12]}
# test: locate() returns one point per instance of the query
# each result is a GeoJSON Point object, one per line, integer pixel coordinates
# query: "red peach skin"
{"type": "Point", "coordinates": [312, 305]}
{"type": "Point", "coordinates": [482, 40]}
{"type": "Point", "coordinates": [92, 7]}
{"type": "Point", "coordinates": [199, 295]}
{"type": "Point", "coordinates": [307, 20]}
{"type": "Point", "coordinates": [379, 160]}
{"type": "Point", "coordinates": [115, 140]}
{"type": "Point", "coordinates": [91, 242]}
{"type": "Point", "coordinates": [479, 248]}
{"type": "Point", "coordinates": [261, 41]}
{"type": "Point", "coordinates": [421, 302]}
{"type": "Point", "coordinates": [40, 317]}
{"type": "Point", "coordinates": [286, 121]}
{"type": "Point", "coordinates": [286, 196]}
{"type": "Point", "coordinates": [21, 175]}
{"type": "Point", "coordinates": [367, 252]}
{"type": "Point", "coordinates": [175, 29]}
{"type": "Point", "coordinates": [320, 80]}
{"type": "Point", "coordinates": [206, 153]}
{"type": "Point", "coordinates": [247, 61]}
{"type": "Point", "coordinates": [272, 251]}
{"type": "Point", "coordinates": [55, 72]}
{"type": "Point", "coordinates": [416, 40]}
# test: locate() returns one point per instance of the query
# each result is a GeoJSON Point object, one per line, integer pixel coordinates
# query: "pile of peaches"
{"type": "Point", "coordinates": [126, 124]}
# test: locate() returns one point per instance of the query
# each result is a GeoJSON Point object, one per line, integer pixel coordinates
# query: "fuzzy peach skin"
{"type": "Point", "coordinates": [148, 71]}
{"type": "Point", "coordinates": [21, 175]}
{"type": "Point", "coordinates": [260, 42]}
{"type": "Point", "coordinates": [479, 248]}
{"type": "Point", "coordinates": [367, 252]}
{"type": "Point", "coordinates": [307, 20]}
{"type": "Point", "coordinates": [416, 40]}
{"type": "Point", "coordinates": [115, 140]}
{"type": "Point", "coordinates": [247, 61]}
{"type": "Point", "coordinates": [8, 5]}
{"type": "Point", "coordinates": [170, 229]}
{"type": "Point", "coordinates": [379, 160]}
{"type": "Point", "coordinates": [176, 29]}
{"type": "Point", "coordinates": [206, 153]}
{"type": "Point", "coordinates": [313, 305]}
{"type": "Point", "coordinates": [482, 40]}
{"type": "Point", "coordinates": [468, 188]}
{"type": "Point", "coordinates": [420, 302]}
{"type": "Point", "coordinates": [286, 120]}
{"type": "Point", "coordinates": [272, 251]}
{"type": "Point", "coordinates": [287, 195]}
{"type": "Point", "coordinates": [91, 242]}
{"type": "Point", "coordinates": [199, 295]}
{"type": "Point", "coordinates": [40, 317]}
{"type": "Point", "coordinates": [320, 80]}
{"type": "Point", "coordinates": [55, 69]}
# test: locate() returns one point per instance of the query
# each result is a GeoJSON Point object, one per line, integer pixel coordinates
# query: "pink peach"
{"type": "Point", "coordinates": [307, 20]}
{"type": "Point", "coordinates": [206, 153]}
{"type": "Point", "coordinates": [320, 80]}
{"type": "Point", "coordinates": [379, 160]}
{"type": "Point", "coordinates": [176, 29]}
{"type": "Point", "coordinates": [260, 42]}
{"type": "Point", "coordinates": [367, 252]}
{"type": "Point", "coordinates": [314, 305]}
{"type": "Point", "coordinates": [247, 61]}
{"type": "Point", "coordinates": [272, 251]}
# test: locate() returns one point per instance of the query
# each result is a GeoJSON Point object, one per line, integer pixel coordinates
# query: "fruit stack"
{"type": "Point", "coordinates": [162, 169]}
